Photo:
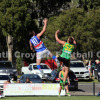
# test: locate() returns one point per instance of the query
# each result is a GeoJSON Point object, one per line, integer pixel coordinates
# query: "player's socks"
{"type": "Point", "coordinates": [39, 67]}
{"type": "Point", "coordinates": [68, 94]}
{"type": "Point", "coordinates": [59, 94]}
{"type": "Point", "coordinates": [62, 86]}
{"type": "Point", "coordinates": [64, 83]}
{"type": "Point", "coordinates": [56, 60]}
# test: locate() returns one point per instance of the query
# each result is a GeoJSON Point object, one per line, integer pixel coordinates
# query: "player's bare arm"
{"type": "Point", "coordinates": [68, 81]}
{"type": "Point", "coordinates": [74, 42]}
{"type": "Point", "coordinates": [60, 76]}
{"type": "Point", "coordinates": [57, 39]}
{"type": "Point", "coordinates": [44, 28]}
{"type": "Point", "coordinates": [31, 47]}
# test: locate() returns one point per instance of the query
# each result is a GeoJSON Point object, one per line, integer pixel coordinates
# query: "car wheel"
{"type": "Point", "coordinates": [22, 73]}
{"type": "Point", "coordinates": [76, 88]}
{"type": "Point", "coordinates": [15, 78]}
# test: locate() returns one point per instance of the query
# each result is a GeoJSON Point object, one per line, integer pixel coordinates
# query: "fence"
{"type": "Point", "coordinates": [48, 89]}
{"type": "Point", "coordinates": [86, 89]}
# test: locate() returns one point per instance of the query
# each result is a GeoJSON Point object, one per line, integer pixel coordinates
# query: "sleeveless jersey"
{"type": "Point", "coordinates": [62, 76]}
{"type": "Point", "coordinates": [67, 51]}
{"type": "Point", "coordinates": [37, 44]}
{"type": "Point", "coordinates": [93, 64]}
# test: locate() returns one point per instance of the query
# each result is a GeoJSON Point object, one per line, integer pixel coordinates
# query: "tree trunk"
{"type": "Point", "coordinates": [9, 45]}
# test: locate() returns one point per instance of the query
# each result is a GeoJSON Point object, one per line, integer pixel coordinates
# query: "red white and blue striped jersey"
{"type": "Point", "coordinates": [37, 44]}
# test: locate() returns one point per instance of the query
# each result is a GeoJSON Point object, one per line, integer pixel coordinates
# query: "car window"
{"type": "Point", "coordinates": [6, 65]}
{"type": "Point", "coordinates": [30, 67]}
{"type": "Point", "coordinates": [42, 67]}
{"type": "Point", "coordinates": [76, 64]}
{"type": "Point", "coordinates": [33, 77]}
{"type": "Point", "coordinates": [4, 77]}
{"type": "Point", "coordinates": [70, 74]}
{"type": "Point", "coordinates": [23, 78]}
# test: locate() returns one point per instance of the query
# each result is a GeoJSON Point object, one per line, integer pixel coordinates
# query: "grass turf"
{"type": "Point", "coordinates": [53, 98]}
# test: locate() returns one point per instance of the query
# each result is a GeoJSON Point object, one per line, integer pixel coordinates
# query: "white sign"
{"type": "Point", "coordinates": [22, 89]}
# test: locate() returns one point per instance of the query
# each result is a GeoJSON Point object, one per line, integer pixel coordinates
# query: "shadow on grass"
{"type": "Point", "coordinates": [78, 90]}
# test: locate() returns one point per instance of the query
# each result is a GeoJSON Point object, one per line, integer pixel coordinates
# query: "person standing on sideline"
{"type": "Point", "coordinates": [93, 65]}
{"type": "Point", "coordinates": [37, 45]}
{"type": "Point", "coordinates": [98, 92]}
{"type": "Point", "coordinates": [66, 54]}
{"type": "Point", "coordinates": [61, 76]}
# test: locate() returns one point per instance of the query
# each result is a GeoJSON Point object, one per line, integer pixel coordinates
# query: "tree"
{"type": "Point", "coordinates": [19, 65]}
{"type": "Point", "coordinates": [75, 22]}
{"type": "Point", "coordinates": [89, 4]}
{"type": "Point", "coordinates": [47, 8]}
{"type": "Point", "coordinates": [15, 21]}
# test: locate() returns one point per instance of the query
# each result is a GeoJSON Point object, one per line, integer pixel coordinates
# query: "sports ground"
{"type": "Point", "coordinates": [53, 98]}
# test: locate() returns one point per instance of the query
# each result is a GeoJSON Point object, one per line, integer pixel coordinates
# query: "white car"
{"type": "Point", "coordinates": [79, 69]}
{"type": "Point", "coordinates": [4, 77]}
{"type": "Point", "coordinates": [32, 69]}
{"type": "Point", "coordinates": [9, 68]}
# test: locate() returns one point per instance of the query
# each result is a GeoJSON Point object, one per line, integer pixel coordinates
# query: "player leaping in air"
{"type": "Point", "coordinates": [66, 54]}
{"type": "Point", "coordinates": [37, 45]}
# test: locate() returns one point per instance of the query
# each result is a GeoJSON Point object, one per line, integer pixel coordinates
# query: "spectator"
{"type": "Point", "coordinates": [18, 81]}
{"type": "Point", "coordinates": [88, 66]}
{"type": "Point", "coordinates": [61, 76]}
{"type": "Point", "coordinates": [93, 65]}
{"type": "Point", "coordinates": [28, 80]}
{"type": "Point", "coordinates": [8, 81]}
{"type": "Point", "coordinates": [98, 93]}
{"type": "Point", "coordinates": [25, 63]}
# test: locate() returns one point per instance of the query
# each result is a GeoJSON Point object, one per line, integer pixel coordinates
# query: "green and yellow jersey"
{"type": "Point", "coordinates": [67, 50]}
{"type": "Point", "coordinates": [62, 76]}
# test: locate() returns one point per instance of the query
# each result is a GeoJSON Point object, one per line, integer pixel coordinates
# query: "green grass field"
{"type": "Point", "coordinates": [53, 98]}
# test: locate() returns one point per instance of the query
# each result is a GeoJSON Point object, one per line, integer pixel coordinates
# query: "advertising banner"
{"type": "Point", "coordinates": [22, 89]}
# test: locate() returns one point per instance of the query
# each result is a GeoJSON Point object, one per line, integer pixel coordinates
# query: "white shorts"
{"type": "Point", "coordinates": [42, 54]}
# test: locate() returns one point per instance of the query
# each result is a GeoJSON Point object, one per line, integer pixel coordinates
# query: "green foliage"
{"type": "Point", "coordinates": [15, 17]}
{"type": "Point", "coordinates": [89, 4]}
{"type": "Point", "coordinates": [47, 8]}
{"type": "Point", "coordinates": [19, 64]}
{"type": "Point", "coordinates": [75, 22]}
{"type": "Point", "coordinates": [16, 20]}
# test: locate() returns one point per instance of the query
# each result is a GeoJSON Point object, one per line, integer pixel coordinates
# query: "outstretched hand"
{"type": "Point", "coordinates": [73, 38]}
{"type": "Point", "coordinates": [45, 20]}
{"type": "Point", "coordinates": [74, 42]}
{"type": "Point", "coordinates": [57, 31]}
{"type": "Point", "coordinates": [57, 39]}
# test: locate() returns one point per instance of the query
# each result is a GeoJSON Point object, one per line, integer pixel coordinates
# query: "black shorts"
{"type": "Point", "coordinates": [65, 61]}
{"type": "Point", "coordinates": [65, 84]}
{"type": "Point", "coordinates": [92, 68]}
